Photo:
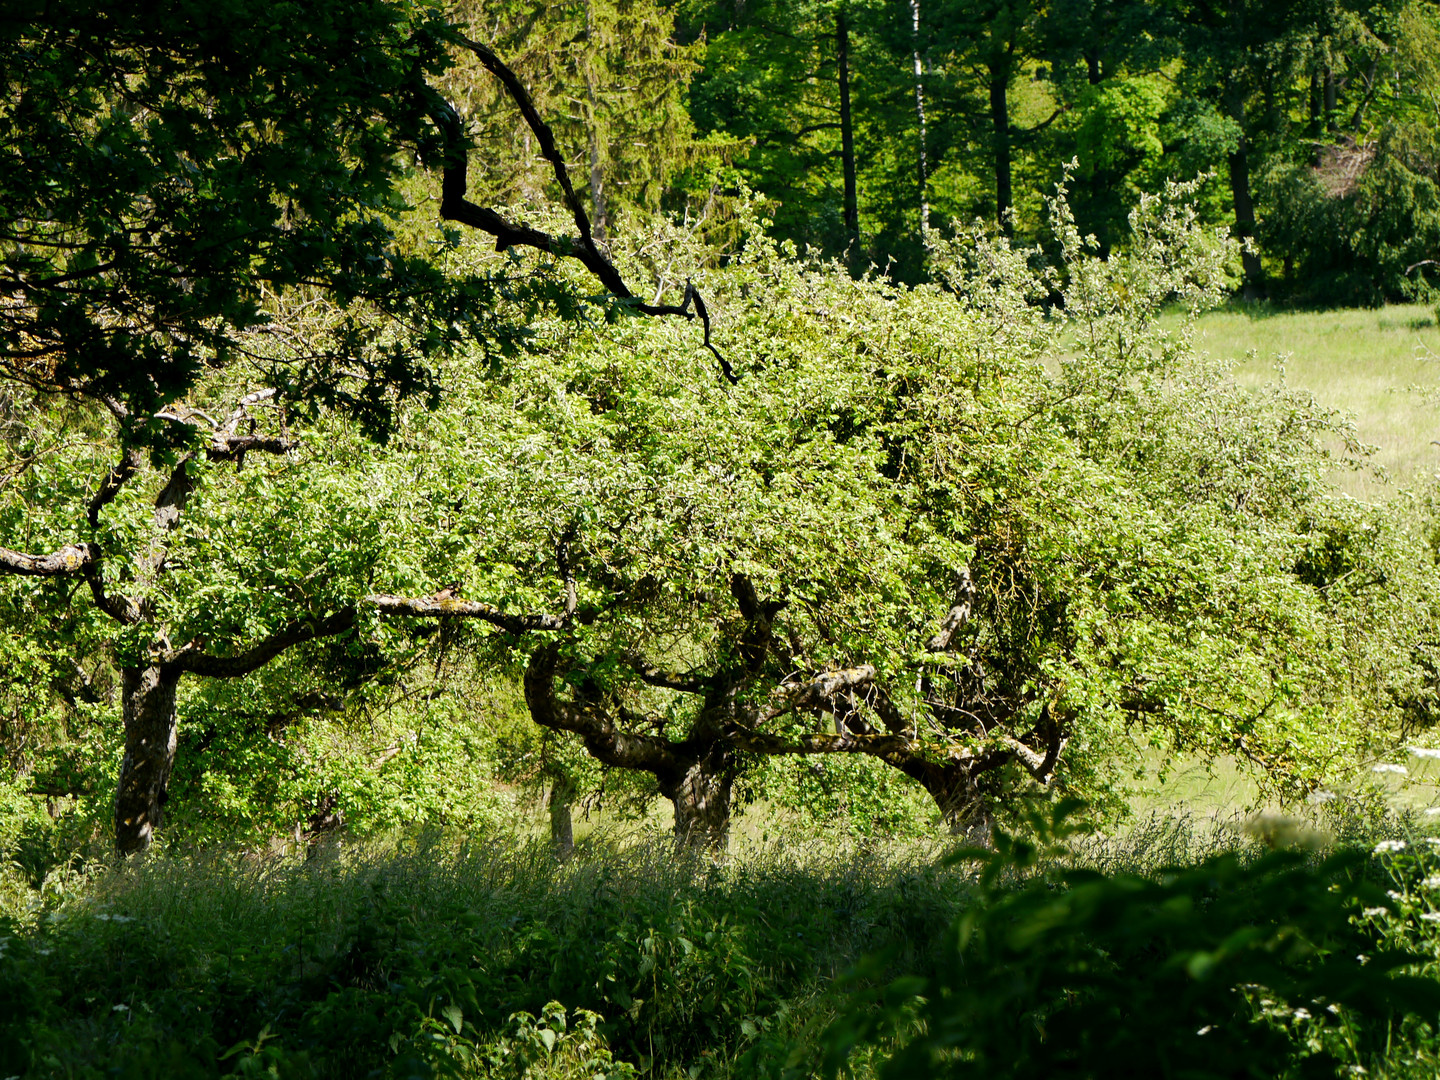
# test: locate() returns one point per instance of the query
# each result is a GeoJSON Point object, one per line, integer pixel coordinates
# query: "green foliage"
{"type": "Point", "coordinates": [1140, 92]}
{"type": "Point", "coordinates": [1271, 966]}
{"type": "Point", "coordinates": [173, 171]}
{"type": "Point", "coordinates": [549, 1047]}
{"type": "Point", "coordinates": [1148, 540]}
{"type": "Point", "coordinates": [1349, 231]}
{"type": "Point", "coordinates": [610, 81]}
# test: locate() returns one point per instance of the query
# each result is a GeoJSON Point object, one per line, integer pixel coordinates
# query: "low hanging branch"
{"type": "Point", "coordinates": [455, 207]}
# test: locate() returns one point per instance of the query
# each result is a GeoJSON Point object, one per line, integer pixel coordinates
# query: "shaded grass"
{"type": "Point", "coordinates": [413, 957]}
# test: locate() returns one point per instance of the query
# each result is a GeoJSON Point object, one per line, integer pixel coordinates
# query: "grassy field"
{"type": "Point", "coordinates": [1370, 363]}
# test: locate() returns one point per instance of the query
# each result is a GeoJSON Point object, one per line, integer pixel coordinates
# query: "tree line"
{"type": "Point", "coordinates": [866, 123]}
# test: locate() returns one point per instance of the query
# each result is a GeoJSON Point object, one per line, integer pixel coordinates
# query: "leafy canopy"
{"type": "Point", "coordinates": [171, 169]}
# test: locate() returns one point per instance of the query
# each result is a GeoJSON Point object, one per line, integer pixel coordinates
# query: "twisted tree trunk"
{"type": "Point", "coordinates": [701, 798]}
{"type": "Point", "coordinates": [562, 822]}
{"type": "Point", "coordinates": [148, 709]}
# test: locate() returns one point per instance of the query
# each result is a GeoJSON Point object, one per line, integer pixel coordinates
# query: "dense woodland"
{"type": "Point", "coordinates": [415, 416]}
{"type": "Point", "coordinates": [862, 124]}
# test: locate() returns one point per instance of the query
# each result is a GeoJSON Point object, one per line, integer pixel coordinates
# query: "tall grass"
{"type": "Point", "coordinates": [359, 959]}
{"type": "Point", "coordinates": [437, 954]}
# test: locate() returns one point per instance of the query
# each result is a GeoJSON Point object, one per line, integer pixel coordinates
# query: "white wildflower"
{"type": "Point", "coordinates": [1431, 916]}
{"type": "Point", "coordinates": [1431, 811]}
{"type": "Point", "coordinates": [1424, 751]}
{"type": "Point", "coordinates": [1398, 770]}
{"type": "Point", "coordinates": [122, 1007]}
{"type": "Point", "coordinates": [1206, 1029]}
{"type": "Point", "coordinates": [1386, 846]}
{"type": "Point", "coordinates": [1432, 882]}
{"type": "Point", "coordinates": [1370, 913]}
{"type": "Point", "coordinates": [1302, 1014]}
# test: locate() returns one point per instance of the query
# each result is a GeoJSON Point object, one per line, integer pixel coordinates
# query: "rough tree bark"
{"type": "Point", "coordinates": [998, 78]}
{"type": "Point", "coordinates": [923, 169]}
{"type": "Point", "coordinates": [695, 774]}
{"type": "Point", "coordinates": [148, 709]}
{"type": "Point", "coordinates": [702, 801]}
{"type": "Point", "coordinates": [847, 136]}
{"type": "Point", "coordinates": [562, 822]}
{"type": "Point", "coordinates": [1241, 199]}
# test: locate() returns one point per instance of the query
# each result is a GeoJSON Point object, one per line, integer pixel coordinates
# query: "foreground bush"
{"type": "Point", "coordinates": [1278, 966]}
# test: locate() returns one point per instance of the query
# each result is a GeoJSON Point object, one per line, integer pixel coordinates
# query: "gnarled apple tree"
{"type": "Point", "coordinates": [988, 544]}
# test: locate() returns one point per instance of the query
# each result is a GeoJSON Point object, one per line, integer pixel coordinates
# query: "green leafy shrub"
{"type": "Point", "coordinates": [547, 1046]}
{"type": "Point", "coordinates": [1265, 967]}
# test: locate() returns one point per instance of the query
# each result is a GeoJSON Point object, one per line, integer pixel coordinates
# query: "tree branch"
{"type": "Point", "coordinates": [1040, 766]}
{"type": "Point", "coordinates": [889, 747]}
{"type": "Point", "coordinates": [604, 741]}
{"type": "Point", "coordinates": [821, 691]}
{"type": "Point", "coordinates": [430, 607]}
{"type": "Point", "coordinates": [235, 447]}
{"type": "Point", "coordinates": [957, 617]}
{"type": "Point", "coordinates": [225, 445]}
{"type": "Point", "coordinates": [69, 561]}
{"type": "Point", "coordinates": [669, 680]}
{"type": "Point", "coordinates": [758, 637]}
{"type": "Point", "coordinates": [191, 660]}
{"type": "Point", "coordinates": [120, 608]}
{"type": "Point", "coordinates": [455, 207]}
{"type": "Point", "coordinates": [567, 572]}
{"type": "Point", "coordinates": [242, 409]}
{"type": "Point", "coordinates": [110, 486]}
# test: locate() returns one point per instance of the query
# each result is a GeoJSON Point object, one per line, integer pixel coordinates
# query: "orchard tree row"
{"type": "Point", "coordinates": [299, 422]}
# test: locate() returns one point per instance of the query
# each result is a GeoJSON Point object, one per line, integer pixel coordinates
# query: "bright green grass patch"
{"type": "Point", "coordinates": [1362, 361]}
